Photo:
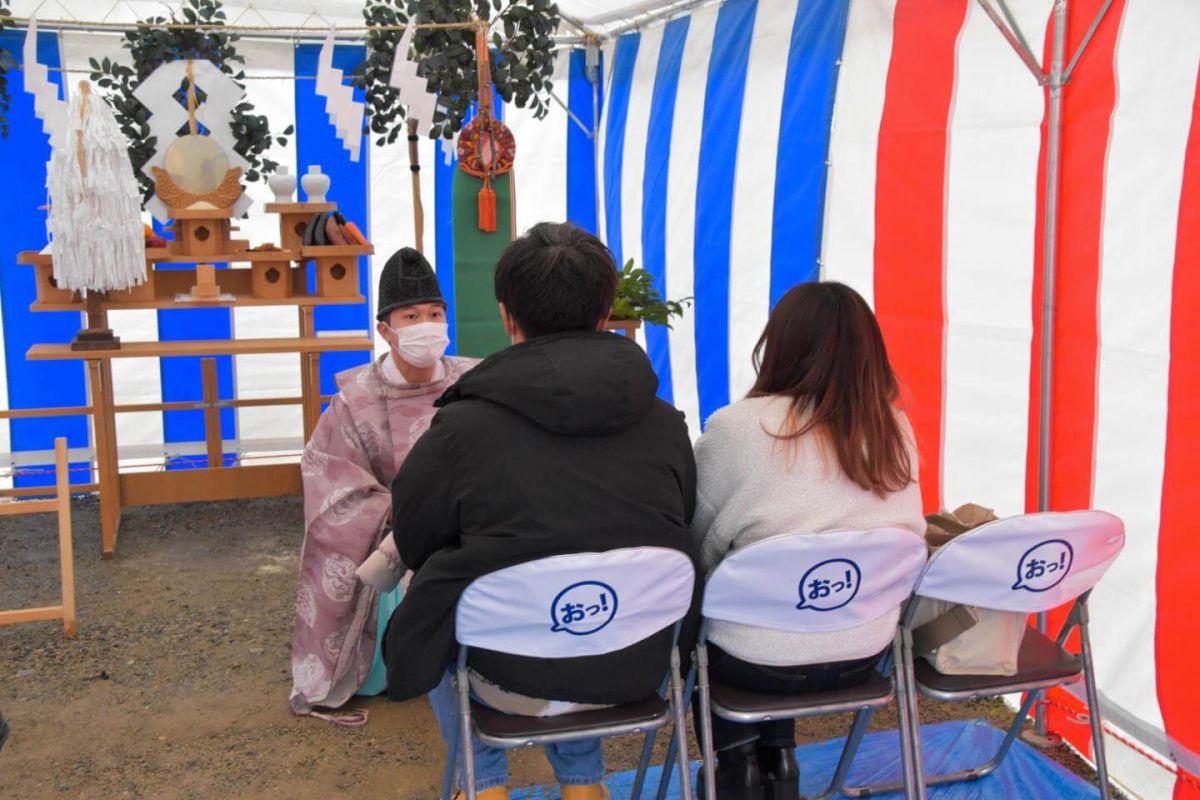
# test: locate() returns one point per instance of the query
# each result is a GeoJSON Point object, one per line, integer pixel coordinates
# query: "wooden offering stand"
{"type": "Point", "coordinates": [626, 327]}
{"type": "Point", "coordinates": [278, 276]}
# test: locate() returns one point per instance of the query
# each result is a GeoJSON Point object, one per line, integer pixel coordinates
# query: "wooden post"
{"type": "Point", "coordinates": [66, 550]}
{"type": "Point", "coordinates": [97, 335]}
{"type": "Point", "coordinates": [104, 437]}
{"type": "Point", "coordinates": [212, 413]}
{"type": "Point", "coordinates": [307, 389]}
{"type": "Point", "coordinates": [414, 165]}
{"type": "Point", "coordinates": [314, 381]}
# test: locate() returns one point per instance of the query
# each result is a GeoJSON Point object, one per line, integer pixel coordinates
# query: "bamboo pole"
{"type": "Point", "coordinates": [414, 165]}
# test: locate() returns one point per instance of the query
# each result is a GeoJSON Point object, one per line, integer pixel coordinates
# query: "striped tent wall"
{"type": "Point", "coordinates": [899, 146]}
{"type": "Point", "coordinates": [895, 145]}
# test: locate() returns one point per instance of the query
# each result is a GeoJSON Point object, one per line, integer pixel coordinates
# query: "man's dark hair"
{"type": "Point", "coordinates": [556, 278]}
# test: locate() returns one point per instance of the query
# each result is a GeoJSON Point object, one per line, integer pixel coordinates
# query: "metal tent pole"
{"type": "Point", "coordinates": [1049, 264]}
{"type": "Point", "coordinates": [595, 75]}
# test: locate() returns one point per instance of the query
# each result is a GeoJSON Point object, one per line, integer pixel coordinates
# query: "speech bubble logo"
{"type": "Point", "coordinates": [583, 608]}
{"type": "Point", "coordinates": [829, 585]}
{"type": "Point", "coordinates": [1044, 566]}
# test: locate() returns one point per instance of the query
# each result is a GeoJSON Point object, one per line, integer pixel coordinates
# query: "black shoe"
{"type": "Point", "coordinates": [738, 777]}
{"type": "Point", "coordinates": [780, 772]}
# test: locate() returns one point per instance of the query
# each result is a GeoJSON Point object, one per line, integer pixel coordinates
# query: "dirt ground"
{"type": "Point", "coordinates": [176, 684]}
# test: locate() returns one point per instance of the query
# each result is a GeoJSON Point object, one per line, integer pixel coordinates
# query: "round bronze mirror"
{"type": "Point", "coordinates": [196, 164]}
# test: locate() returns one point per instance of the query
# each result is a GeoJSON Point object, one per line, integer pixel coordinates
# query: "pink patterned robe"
{"type": "Point", "coordinates": [356, 449]}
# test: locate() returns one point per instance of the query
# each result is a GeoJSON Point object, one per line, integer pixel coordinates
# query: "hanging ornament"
{"type": "Point", "coordinates": [46, 104]}
{"type": "Point", "coordinates": [345, 113]}
{"type": "Point", "coordinates": [167, 116]}
{"type": "Point", "coordinates": [95, 211]}
{"type": "Point", "coordinates": [414, 91]}
{"type": "Point", "coordinates": [486, 147]}
{"type": "Point", "coordinates": [196, 173]}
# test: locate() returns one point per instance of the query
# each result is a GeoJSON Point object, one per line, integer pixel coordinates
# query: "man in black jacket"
{"type": "Point", "coordinates": [555, 445]}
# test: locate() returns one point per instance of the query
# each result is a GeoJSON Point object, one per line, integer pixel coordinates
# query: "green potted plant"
{"type": "Point", "coordinates": [637, 301]}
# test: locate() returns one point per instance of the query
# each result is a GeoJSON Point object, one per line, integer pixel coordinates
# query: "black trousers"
{"type": "Point", "coordinates": [732, 671]}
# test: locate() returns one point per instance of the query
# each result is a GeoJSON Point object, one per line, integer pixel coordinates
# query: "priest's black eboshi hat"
{"type": "Point", "coordinates": [407, 280]}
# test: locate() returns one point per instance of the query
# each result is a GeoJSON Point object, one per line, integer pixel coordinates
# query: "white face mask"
{"type": "Point", "coordinates": [422, 344]}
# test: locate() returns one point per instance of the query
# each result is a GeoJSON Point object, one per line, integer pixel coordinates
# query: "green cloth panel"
{"type": "Point", "coordinates": [477, 317]}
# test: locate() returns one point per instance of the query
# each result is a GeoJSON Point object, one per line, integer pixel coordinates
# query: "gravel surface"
{"type": "Point", "coordinates": [176, 684]}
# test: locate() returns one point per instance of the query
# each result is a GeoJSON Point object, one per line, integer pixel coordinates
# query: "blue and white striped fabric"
{"type": "Point", "coordinates": [716, 133]}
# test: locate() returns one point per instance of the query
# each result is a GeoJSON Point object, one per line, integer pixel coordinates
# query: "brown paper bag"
{"type": "Point", "coordinates": [965, 640]}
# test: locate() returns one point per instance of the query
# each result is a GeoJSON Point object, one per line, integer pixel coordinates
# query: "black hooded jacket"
{"type": "Point", "coordinates": [557, 445]}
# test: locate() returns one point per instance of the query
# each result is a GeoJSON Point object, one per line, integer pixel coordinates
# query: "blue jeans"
{"type": "Point", "coordinates": [579, 763]}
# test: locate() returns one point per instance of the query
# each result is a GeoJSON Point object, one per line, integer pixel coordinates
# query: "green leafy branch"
{"type": "Point", "coordinates": [6, 65]}
{"type": "Point", "coordinates": [637, 299]}
{"type": "Point", "coordinates": [522, 58]}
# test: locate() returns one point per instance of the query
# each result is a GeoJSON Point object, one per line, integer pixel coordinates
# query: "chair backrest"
{"type": "Point", "coordinates": [1028, 563]}
{"type": "Point", "coordinates": [816, 582]}
{"type": "Point", "coordinates": [577, 605]}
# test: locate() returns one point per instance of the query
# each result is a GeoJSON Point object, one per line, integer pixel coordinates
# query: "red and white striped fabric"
{"type": "Point", "coordinates": [938, 154]}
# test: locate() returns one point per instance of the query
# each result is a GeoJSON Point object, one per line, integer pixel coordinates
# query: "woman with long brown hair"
{"type": "Point", "coordinates": [819, 444]}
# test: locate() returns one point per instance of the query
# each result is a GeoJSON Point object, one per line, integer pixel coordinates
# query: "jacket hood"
{"type": "Point", "coordinates": [571, 384]}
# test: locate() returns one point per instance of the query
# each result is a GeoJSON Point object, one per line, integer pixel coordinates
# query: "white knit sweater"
{"type": "Point", "coordinates": [752, 486]}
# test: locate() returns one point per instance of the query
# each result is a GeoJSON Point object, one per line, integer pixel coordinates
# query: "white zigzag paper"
{"type": "Point", "coordinates": [167, 116]}
{"type": "Point", "coordinates": [414, 90]}
{"type": "Point", "coordinates": [344, 112]}
{"type": "Point", "coordinates": [46, 105]}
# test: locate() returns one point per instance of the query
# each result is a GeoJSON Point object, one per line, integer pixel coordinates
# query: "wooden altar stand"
{"type": "Point", "coordinates": [275, 277]}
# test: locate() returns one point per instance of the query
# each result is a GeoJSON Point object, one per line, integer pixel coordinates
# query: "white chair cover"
{"type": "Point", "coordinates": [1027, 563]}
{"type": "Point", "coordinates": [584, 604]}
{"type": "Point", "coordinates": [816, 582]}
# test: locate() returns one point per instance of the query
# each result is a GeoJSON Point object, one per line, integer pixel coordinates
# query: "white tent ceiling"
{"type": "Point", "coordinates": [600, 16]}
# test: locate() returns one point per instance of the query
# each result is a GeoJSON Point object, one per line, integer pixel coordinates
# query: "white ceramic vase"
{"type": "Point", "coordinates": [283, 185]}
{"type": "Point", "coordinates": [316, 184]}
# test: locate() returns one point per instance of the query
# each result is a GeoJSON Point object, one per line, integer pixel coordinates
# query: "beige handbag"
{"type": "Point", "coordinates": [958, 639]}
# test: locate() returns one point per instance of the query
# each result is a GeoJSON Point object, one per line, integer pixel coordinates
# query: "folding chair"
{"type": "Point", "coordinates": [1026, 564]}
{"type": "Point", "coordinates": [805, 583]}
{"type": "Point", "coordinates": [587, 604]}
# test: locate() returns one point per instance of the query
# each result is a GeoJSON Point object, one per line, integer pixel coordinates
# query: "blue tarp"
{"type": "Point", "coordinates": [948, 746]}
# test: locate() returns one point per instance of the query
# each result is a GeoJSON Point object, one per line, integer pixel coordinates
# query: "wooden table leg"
{"type": "Point", "coordinates": [66, 548]}
{"type": "Point", "coordinates": [314, 380]}
{"type": "Point", "coordinates": [309, 388]}
{"type": "Point", "coordinates": [212, 413]}
{"type": "Point", "coordinates": [105, 438]}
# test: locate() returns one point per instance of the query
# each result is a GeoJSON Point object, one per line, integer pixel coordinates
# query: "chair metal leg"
{"type": "Point", "coordinates": [668, 769]}
{"type": "Point", "coordinates": [914, 717]}
{"type": "Point", "coordinates": [639, 779]}
{"type": "Point", "coordinates": [464, 733]}
{"type": "Point", "coordinates": [1010, 736]}
{"type": "Point", "coordinates": [966, 774]}
{"type": "Point", "coordinates": [907, 744]}
{"type": "Point", "coordinates": [1093, 698]}
{"type": "Point", "coordinates": [685, 778]}
{"type": "Point", "coordinates": [643, 764]}
{"type": "Point", "coordinates": [849, 750]}
{"type": "Point", "coordinates": [706, 742]}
